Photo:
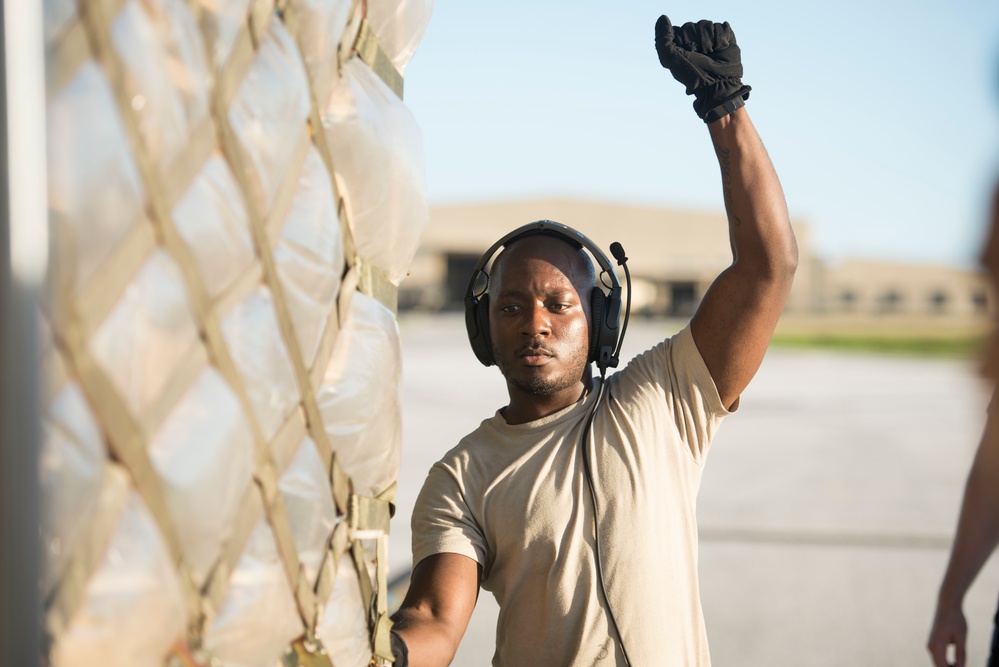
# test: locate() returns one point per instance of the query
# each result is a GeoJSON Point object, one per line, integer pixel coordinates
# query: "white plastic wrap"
{"type": "Point", "coordinates": [95, 195]}
{"type": "Point", "coordinates": [359, 397]}
{"type": "Point", "coordinates": [343, 625]}
{"type": "Point", "coordinates": [211, 218]}
{"type": "Point", "coordinates": [254, 340]}
{"type": "Point", "coordinates": [53, 368]}
{"type": "Point", "coordinates": [311, 512]}
{"type": "Point", "coordinates": [147, 334]}
{"type": "Point", "coordinates": [259, 618]}
{"type": "Point", "coordinates": [204, 455]}
{"type": "Point", "coordinates": [309, 255]}
{"type": "Point", "coordinates": [133, 611]}
{"type": "Point", "coordinates": [378, 150]}
{"type": "Point", "coordinates": [270, 111]}
{"type": "Point", "coordinates": [320, 27]}
{"type": "Point", "coordinates": [223, 20]}
{"type": "Point", "coordinates": [57, 16]}
{"type": "Point", "coordinates": [71, 466]}
{"type": "Point", "coordinates": [133, 607]}
{"type": "Point", "coordinates": [399, 26]}
{"type": "Point", "coordinates": [160, 45]}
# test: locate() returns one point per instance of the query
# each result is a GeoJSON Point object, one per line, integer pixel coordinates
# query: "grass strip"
{"type": "Point", "coordinates": [922, 346]}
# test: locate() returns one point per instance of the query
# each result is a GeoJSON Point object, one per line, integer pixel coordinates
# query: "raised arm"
{"type": "Point", "coordinates": [736, 319]}
{"type": "Point", "coordinates": [733, 325]}
{"type": "Point", "coordinates": [435, 613]}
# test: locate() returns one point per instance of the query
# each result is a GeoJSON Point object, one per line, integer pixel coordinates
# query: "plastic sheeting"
{"type": "Point", "coordinates": [212, 220]}
{"type": "Point", "coordinates": [71, 465]}
{"type": "Point", "coordinates": [204, 455]}
{"type": "Point", "coordinates": [270, 110]}
{"type": "Point", "coordinates": [254, 340]}
{"type": "Point", "coordinates": [399, 25]}
{"type": "Point", "coordinates": [95, 195]}
{"type": "Point", "coordinates": [133, 610]}
{"type": "Point", "coordinates": [258, 619]}
{"type": "Point", "coordinates": [359, 397]}
{"type": "Point", "coordinates": [160, 44]}
{"type": "Point", "coordinates": [309, 503]}
{"type": "Point", "coordinates": [309, 255]}
{"type": "Point", "coordinates": [147, 333]}
{"type": "Point", "coordinates": [57, 15]}
{"type": "Point", "coordinates": [379, 163]}
{"type": "Point", "coordinates": [137, 321]}
{"type": "Point", "coordinates": [320, 26]}
{"type": "Point", "coordinates": [343, 625]}
{"type": "Point", "coordinates": [223, 19]}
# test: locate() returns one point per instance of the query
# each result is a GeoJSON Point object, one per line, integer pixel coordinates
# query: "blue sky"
{"type": "Point", "coordinates": [881, 117]}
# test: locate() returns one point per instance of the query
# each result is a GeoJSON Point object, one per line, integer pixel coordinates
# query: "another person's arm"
{"type": "Point", "coordinates": [976, 538]}
{"type": "Point", "coordinates": [737, 316]}
{"type": "Point", "coordinates": [438, 605]}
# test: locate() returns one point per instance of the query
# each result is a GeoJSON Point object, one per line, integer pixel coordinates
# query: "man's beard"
{"type": "Point", "coordinates": [536, 385]}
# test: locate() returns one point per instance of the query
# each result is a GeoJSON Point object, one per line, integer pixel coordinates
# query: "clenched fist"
{"type": "Point", "coordinates": [704, 57]}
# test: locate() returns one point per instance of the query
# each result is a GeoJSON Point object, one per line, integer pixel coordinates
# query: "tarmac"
{"type": "Point", "coordinates": [826, 512]}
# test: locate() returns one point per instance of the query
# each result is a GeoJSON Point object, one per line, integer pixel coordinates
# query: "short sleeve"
{"type": "Point", "coordinates": [675, 372]}
{"type": "Point", "coordinates": [442, 521]}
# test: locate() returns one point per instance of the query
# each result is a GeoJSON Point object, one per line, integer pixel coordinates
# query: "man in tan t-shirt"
{"type": "Point", "coordinates": [574, 503]}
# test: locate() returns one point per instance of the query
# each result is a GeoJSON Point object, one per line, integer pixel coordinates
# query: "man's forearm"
{"type": "Point", "coordinates": [760, 231]}
{"type": "Point", "coordinates": [429, 641]}
{"type": "Point", "coordinates": [978, 526]}
{"type": "Point", "coordinates": [737, 316]}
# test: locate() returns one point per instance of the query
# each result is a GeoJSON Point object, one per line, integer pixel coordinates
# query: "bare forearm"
{"type": "Point", "coordinates": [430, 641]}
{"type": "Point", "coordinates": [435, 613]}
{"type": "Point", "coordinates": [978, 525]}
{"type": "Point", "coordinates": [762, 240]}
{"type": "Point", "coordinates": [736, 318]}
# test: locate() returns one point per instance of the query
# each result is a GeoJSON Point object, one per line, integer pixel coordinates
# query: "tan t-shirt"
{"type": "Point", "coordinates": [515, 499]}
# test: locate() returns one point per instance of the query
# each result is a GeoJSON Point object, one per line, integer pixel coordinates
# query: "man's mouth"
{"type": "Point", "coordinates": [535, 356]}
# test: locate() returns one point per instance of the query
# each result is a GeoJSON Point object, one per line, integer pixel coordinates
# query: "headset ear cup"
{"type": "Point", "coordinates": [612, 320]}
{"type": "Point", "coordinates": [482, 314]}
{"type": "Point", "coordinates": [477, 327]}
{"type": "Point", "coordinates": [597, 309]}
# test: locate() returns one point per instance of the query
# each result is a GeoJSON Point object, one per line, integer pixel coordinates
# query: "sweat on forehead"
{"type": "Point", "coordinates": [568, 258]}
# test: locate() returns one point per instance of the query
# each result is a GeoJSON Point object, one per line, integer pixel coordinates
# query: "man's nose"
{"type": "Point", "coordinates": [537, 322]}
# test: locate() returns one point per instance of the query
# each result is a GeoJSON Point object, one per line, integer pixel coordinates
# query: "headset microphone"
{"type": "Point", "coordinates": [622, 260]}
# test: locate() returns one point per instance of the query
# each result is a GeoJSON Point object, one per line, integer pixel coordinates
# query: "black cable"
{"type": "Point", "coordinates": [593, 498]}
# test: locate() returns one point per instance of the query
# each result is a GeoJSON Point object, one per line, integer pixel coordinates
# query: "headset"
{"type": "Point", "coordinates": [605, 307]}
{"type": "Point", "coordinates": [605, 337]}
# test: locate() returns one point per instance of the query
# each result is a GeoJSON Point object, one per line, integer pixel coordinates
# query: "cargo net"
{"type": "Point", "coordinates": [235, 191]}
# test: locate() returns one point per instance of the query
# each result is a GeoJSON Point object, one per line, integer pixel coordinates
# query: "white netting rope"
{"type": "Point", "coordinates": [214, 483]}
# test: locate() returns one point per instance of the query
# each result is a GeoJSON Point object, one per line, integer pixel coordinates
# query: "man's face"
{"type": "Point", "coordinates": [538, 316]}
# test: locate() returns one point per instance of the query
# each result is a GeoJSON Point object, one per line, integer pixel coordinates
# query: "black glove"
{"type": "Point", "coordinates": [399, 650]}
{"type": "Point", "coordinates": [704, 57]}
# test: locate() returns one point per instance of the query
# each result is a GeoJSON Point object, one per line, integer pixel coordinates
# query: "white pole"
{"type": "Point", "coordinates": [23, 264]}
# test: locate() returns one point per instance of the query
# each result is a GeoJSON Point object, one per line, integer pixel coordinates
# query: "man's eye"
{"type": "Point", "coordinates": [559, 306]}
{"type": "Point", "coordinates": [511, 308]}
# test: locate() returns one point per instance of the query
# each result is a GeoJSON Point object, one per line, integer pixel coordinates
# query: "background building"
{"type": "Point", "coordinates": [674, 255]}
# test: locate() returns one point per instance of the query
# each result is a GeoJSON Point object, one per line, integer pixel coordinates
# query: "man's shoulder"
{"type": "Point", "coordinates": [471, 446]}
{"type": "Point", "coordinates": [659, 357]}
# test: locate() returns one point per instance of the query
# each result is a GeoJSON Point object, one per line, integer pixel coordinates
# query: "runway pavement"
{"type": "Point", "coordinates": [826, 510]}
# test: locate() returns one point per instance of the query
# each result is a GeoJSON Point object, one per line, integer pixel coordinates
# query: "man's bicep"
{"type": "Point", "coordinates": [733, 326]}
{"type": "Point", "coordinates": [447, 583]}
